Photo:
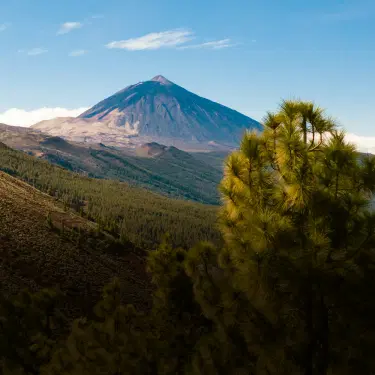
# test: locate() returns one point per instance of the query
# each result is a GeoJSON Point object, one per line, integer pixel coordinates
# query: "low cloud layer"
{"type": "Point", "coordinates": [20, 117]}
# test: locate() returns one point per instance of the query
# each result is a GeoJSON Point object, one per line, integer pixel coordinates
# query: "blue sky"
{"type": "Point", "coordinates": [245, 54]}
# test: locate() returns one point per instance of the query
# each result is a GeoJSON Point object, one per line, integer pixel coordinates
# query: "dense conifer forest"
{"type": "Point", "coordinates": [133, 214]}
{"type": "Point", "coordinates": [288, 291]}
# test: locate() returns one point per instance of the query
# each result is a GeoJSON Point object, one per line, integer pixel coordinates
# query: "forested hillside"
{"type": "Point", "coordinates": [288, 292]}
{"type": "Point", "coordinates": [133, 214]}
{"type": "Point", "coordinates": [168, 171]}
{"type": "Point", "coordinates": [44, 245]}
{"type": "Point", "coordinates": [214, 158]}
{"type": "Point", "coordinates": [174, 173]}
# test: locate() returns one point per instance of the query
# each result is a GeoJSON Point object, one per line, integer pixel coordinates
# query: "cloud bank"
{"type": "Point", "coordinates": [21, 117]}
{"type": "Point", "coordinates": [67, 27]}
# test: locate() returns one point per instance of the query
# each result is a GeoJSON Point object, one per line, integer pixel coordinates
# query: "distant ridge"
{"type": "Point", "coordinates": [160, 168]}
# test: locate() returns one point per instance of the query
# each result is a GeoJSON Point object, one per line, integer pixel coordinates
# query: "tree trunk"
{"type": "Point", "coordinates": [317, 326]}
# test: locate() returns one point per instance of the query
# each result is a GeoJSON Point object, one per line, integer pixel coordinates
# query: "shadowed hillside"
{"type": "Point", "coordinates": [41, 245]}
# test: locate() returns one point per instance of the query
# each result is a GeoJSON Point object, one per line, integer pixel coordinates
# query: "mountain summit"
{"type": "Point", "coordinates": [161, 79]}
{"type": "Point", "coordinates": [155, 110]}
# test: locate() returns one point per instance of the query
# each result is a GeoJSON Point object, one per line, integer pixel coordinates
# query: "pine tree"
{"type": "Point", "coordinates": [29, 324]}
{"type": "Point", "coordinates": [300, 232]}
{"type": "Point", "coordinates": [176, 316]}
{"type": "Point", "coordinates": [116, 342]}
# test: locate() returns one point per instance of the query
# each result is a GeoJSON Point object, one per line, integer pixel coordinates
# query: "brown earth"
{"type": "Point", "coordinates": [35, 252]}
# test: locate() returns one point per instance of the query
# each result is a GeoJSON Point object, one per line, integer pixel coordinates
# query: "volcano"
{"type": "Point", "coordinates": [155, 110]}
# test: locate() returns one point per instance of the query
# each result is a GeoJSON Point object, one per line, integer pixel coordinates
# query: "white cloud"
{"type": "Point", "coordinates": [34, 51]}
{"type": "Point", "coordinates": [67, 27]}
{"type": "Point", "coordinates": [177, 38]}
{"type": "Point", "coordinates": [4, 26]}
{"type": "Point", "coordinates": [21, 117]}
{"type": "Point", "coordinates": [363, 144]}
{"type": "Point", "coordinates": [78, 52]}
{"type": "Point", "coordinates": [215, 44]}
{"type": "Point", "coordinates": [153, 41]}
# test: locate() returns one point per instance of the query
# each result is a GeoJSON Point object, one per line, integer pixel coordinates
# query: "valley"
{"type": "Point", "coordinates": [162, 169]}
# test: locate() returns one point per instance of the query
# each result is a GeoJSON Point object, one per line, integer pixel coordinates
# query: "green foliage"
{"type": "Point", "coordinates": [175, 173]}
{"type": "Point", "coordinates": [116, 342]}
{"type": "Point", "coordinates": [131, 214]}
{"type": "Point", "coordinates": [120, 340]}
{"type": "Point", "coordinates": [29, 324]}
{"type": "Point", "coordinates": [213, 158]}
{"type": "Point", "coordinates": [288, 294]}
{"type": "Point", "coordinates": [298, 223]}
{"type": "Point", "coordinates": [177, 316]}
{"type": "Point", "coordinates": [172, 172]}
{"type": "Point", "coordinates": [166, 170]}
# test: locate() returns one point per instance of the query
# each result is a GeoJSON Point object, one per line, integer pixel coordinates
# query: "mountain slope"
{"type": "Point", "coordinates": [172, 172]}
{"type": "Point", "coordinates": [215, 159]}
{"type": "Point", "coordinates": [160, 108]}
{"type": "Point", "coordinates": [159, 168]}
{"type": "Point", "coordinates": [35, 252]}
{"type": "Point", "coordinates": [21, 138]}
{"type": "Point", "coordinates": [156, 110]}
{"type": "Point", "coordinates": [130, 213]}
